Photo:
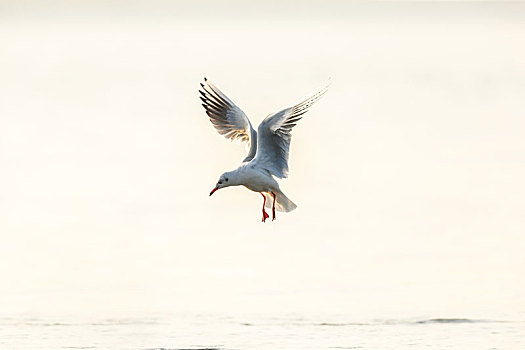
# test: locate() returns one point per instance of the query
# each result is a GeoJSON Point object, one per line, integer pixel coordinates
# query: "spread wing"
{"type": "Point", "coordinates": [227, 118]}
{"type": "Point", "coordinates": [274, 136]}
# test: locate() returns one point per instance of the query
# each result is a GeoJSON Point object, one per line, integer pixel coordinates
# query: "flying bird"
{"type": "Point", "coordinates": [269, 146]}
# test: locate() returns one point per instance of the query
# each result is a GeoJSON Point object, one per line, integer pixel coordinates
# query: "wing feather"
{"type": "Point", "coordinates": [274, 136]}
{"type": "Point", "coordinates": [228, 119]}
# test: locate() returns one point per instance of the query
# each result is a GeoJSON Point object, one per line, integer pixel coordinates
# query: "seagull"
{"type": "Point", "coordinates": [269, 146]}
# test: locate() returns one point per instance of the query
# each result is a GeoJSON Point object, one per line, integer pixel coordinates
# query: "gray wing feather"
{"type": "Point", "coordinates": [274, 136]}
{"type": "Point", "coordinates": [228, 119]}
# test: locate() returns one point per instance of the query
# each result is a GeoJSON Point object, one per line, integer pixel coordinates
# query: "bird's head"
{"type": "Point", "coordinates": [226, 180]}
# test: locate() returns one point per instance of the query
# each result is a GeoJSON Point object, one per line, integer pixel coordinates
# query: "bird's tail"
{"type": "Point", "coordinates": [282, 203]}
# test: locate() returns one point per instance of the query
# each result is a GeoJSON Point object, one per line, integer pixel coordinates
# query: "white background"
{"type": "Point", "coordinates": [408, 175]}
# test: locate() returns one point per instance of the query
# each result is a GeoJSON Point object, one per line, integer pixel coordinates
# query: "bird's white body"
{"type": "Point", "coordinates": [255, 179]}
{"type": "Point", "coordinates": [258, 180]}
{"type": "Point", "coordinates": [269, 146]}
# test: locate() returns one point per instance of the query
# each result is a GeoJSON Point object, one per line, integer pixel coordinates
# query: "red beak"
{"type": "Point", "coordinates": [212, 191]}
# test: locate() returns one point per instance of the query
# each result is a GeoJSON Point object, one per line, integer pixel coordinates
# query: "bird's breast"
{"type": "Point", "coordinates": [257, 182]}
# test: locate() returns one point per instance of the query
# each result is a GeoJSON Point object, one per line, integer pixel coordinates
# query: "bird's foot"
{"type": "Point", "coordinates": [265, 216]}
{"type": "Point", "coordinates": [273, 214]}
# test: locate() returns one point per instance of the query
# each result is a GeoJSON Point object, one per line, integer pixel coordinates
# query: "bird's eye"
{"type": "Point", "coordinates": [226, 179]}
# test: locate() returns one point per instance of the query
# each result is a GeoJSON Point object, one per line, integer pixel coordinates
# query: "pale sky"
{"type": "Point", "coordinates": [408, 175]}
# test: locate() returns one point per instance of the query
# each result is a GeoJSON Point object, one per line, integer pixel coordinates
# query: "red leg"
{"type": "Point", "coordinates": [265, 215]}
{"type": "Point", "coordinates": [273, 206]}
